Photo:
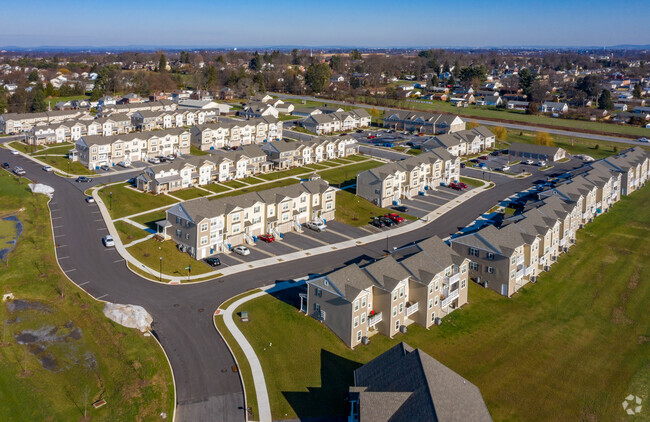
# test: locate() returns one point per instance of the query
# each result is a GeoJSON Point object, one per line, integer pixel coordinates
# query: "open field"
{"type": "Point", "coordinates": [347, 175]}
{"type": "Point", "coordinates": [87, 357]}
{"type": "Point", "coordinates": [23, 147]}
{"type": "Point", "coordinates": [62, 149]}
{"type": "Point", "coordinates": [174, 261]}
{"type": "Point", "coordinates": [534, 356]}
{"type": "Point", "coordinates": [257, 188]}
{"type": "Point", "coordinates": [125, 201]}
{"type": "Point", "coordinates": [150, 219]}
{"type": "Point", "coordinates": [356, 211]}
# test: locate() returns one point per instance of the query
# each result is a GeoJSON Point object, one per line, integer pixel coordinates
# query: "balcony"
{"type": "Point", "coordinates": [520, 260]}
{"type": "Point", "coordinates": [521, 273]}
{"type": "Point", "coordinates": [528, 270]}
{"type": "Point", "coordinates": [411, 308]}
{"type": "Point", "coordinates": [374, 320]}
{"type": "Point", "coordinates": [453, 295]}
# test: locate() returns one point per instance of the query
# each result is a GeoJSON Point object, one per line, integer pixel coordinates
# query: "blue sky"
{"type": "Point", "coordinates": [378, 23]}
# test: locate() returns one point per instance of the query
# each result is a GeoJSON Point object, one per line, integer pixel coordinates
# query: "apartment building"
{"type": "Point", "coordinates": [423, 122]}
{"type": "Point", "coordinates": [634, 166]}
{"type": "Point", "coordinates": [463, 142]}
{"type": "Point", "coordinates": [234, 133]}
{"type": "Point", "coordinates": [12, 123]}
{"type": "Point", "coordinates": [130, 109]}
{"type": "Point", "coordinates": [388, 184]}
{"type": "Point", "coordinates": [199, 171]}
{"type": "Point", "coordinates": [406, 384]}
{"type": "Point", "coordinates": [419, 284]}
{"type": "Point", "coordinates": [159, 119]}
{"type": "Point", "coordinates": [326, 123]}
{"type": "Point", "coordinates": [205, 226]}
{"type": "Point", "coordinates": [95, 151]}
{"type": "Point", "coordinates": [289, 154]}
{"type": "Point", "coordinates": [519, 151]}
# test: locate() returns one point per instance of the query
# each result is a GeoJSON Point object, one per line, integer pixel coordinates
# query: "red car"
{"type": "Point", "coordinates": [371, 137]}
{"type": "Point", "coordinates": [395, 217]}
{"type": "Point", "coordinates": [268, 238]}
{"type": "Point", "coordinates": [456, 186]}
{"type": "Point", "coordinates": [463, 185]}
{"type": "Point", "coordinates": [483, 157]}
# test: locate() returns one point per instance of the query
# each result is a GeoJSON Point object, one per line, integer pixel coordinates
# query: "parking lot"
{"type": "Point", "coordinates": [421, 205]}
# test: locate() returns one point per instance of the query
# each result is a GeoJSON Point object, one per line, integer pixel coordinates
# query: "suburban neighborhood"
{"type": "Point", "coordinates": [216, 224]}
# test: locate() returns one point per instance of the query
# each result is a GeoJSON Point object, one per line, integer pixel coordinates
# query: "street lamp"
{"type": "Point", "coordinates": [110, 201]}
{"type": "Point", "coordinates": [160, 276]}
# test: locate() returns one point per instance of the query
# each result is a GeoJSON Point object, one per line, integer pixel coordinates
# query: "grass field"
{"type": "Point", "coordinates": [126, 201]}
{"type": "Point", "coordinates": [471, 182]}
{"type": "Point", "coordinates": [63, 164]}
{"type": "Point", "coordinates": [234, 184]}
{"type": "Point", "coordinates": [190, 193]}
{"type": "Point", "coordinates": [285, 173]}
{"type": "Point", "coordinates": [347, 175]}
{"type": "Point", "coordinates": [216, 188]}
{"type": "Point", "coordinates": [356, 211]}
{"type": "Point", "coordinates": [150, 219]}
{"type": "Point", "coordinates": [55, 150]}
{"type": "Point", "coordinates": [53, 100]}
{"type": "Point", "coordinates": [570, 347]}
{"type": "Point", "coordinates": [195, 151]}
{"type": "Point", "coordinates": [128, 232]}
{"type": "Point", "coordinates": [23, 147]}
{"type": "Point", "coordinates": [174, 261]}
{"type": "Point", "coordinates": [89, 357]}
{"type": "Point", "coordinates": [257, 188]}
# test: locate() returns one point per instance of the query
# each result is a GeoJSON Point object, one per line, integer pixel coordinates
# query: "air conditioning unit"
{"type": "Point", "coordinates": [581, 226]}
{"type": "Point", "coordinates": [546, 268]}
{"type": "Point", "coordinates": [533, 279]}
{"type": "Point", "coordinates": [566, 249]}
{"type": "Point", "coordinates": [554, 258]}
{"type": "Point", "coordinates": [438, 321]}
{"type": "Point", "coordinates": [365, 340]}
{"type": "Point", "coordinates": [403, 329]}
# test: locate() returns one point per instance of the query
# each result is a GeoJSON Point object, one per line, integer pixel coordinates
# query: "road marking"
{"type": "Point", "coordinates": [119, 260]}
{"type": "Point", "coordinates": [64, 257]}
{"type": "Point", "coordinates": [59, 235]}
{"type": "Point", "coordinates": [69, 271]}
{"type": "Point", "coordinates": [56, 227]}
{"type": "Point", "coordinates": [264, 252]}
{"type": "Point", "coordinates": [54, 218]}
{"type": "Point", "coordinates": [61, 246]}
{"type": "Point", "coordinates": [102, 228]}
{"type": "Point", "coordinates": [312, 238]}
{"type": "Point", "coordinates": [97, 298]}
{"type": "Point", "coordinates": [84, 283]}
{"type": "Point", "coordinates": [101, 219]}
{"type": "Point", "coordinates": [95, 212]}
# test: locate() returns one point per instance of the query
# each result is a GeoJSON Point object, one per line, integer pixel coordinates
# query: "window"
{"type": "Point", "coordinates": [303, 199]}
{"type": "Point", "coordinates": [187, 235]}
{"type": "Point", "coordinates": [430, 288]}
{"type": "Point", "coordinates": [435, 300]}
{"type": "Point", "coordinates": [236, 228]}
{"type": "Point", "coordinates": [236, 217]}
{"type": "Point", "coordinates": [356, 322]}
{"type": "Point", "coordinates": [356, 305]}
{"type": "Point", "coordinates": [462, 284]}
{"type": "Point", "coordinates": [329, 195]}
{"type": "Point", "coordinates": [473, 266]}
{"type": "Point", "coordinates": [358, 336]}
{"type": "Point", "coordinates": [401, 292]}
{"type": "Point", "coordinates": [433, 316]}
{"type": "Point", "coordinates": [394, 310]}
{"type": "Point", "coordinates": [179, 233]}
{"type": "Point", "coordinates": [513, 260]}
{"type": "Point", "coordinates": [316, 307]}
{"type": "Point", "coordinates": [204, 240]}
{"type": "Point", "coordinates": [430, 303]}
{"type": "Point", "coordinates": [178, 220]}
{"type": "Point", "coordinates": [473, 252]}
{"type": "Point", "coordinates": [328, 206]}
{"type": "Point", "coordinates": [490, 256]}
{"type": "Point", "coordinates": [204, 227]}
{"type": "Point", "coordinates": [437, 285]}
{"type": "Point", "coordinates": [463, 269]}
{"type": "Point", "coordinates": [318, 292]}
{"type": "Point", "coordinates": [363, 318]}
{"type": "Point", "coordinates": [363, 302]}
{"type": "Point", "coordinates": [397, 324]}
{"type": "Point", "coordinates": [285, 206]}
{"type": "Point", "coordinates": [395, 296]}
{"type": "Point", "coordinates": [256, 209]}
{"type": "Point", "coordinates": [490, 270]}
{"type": "Point", "coordinates": [401, 307]}
{"type": "Point", "coordinates": [512, 274]}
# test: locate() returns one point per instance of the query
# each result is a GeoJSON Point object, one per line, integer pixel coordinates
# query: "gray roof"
{"type": "Point", "coordinates": [350, 281]}
{"type": "Point", "coordinates": [437, 392]}
{"type": "Point", "coordinates": [387, 272]}
{"type": "Point", "coordinates": [533, 148]}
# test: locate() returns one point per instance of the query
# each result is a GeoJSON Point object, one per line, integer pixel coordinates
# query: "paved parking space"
{"type": "Point", "coordinates": [299, 241]}
{"type": "Point", "coordinates": [254, 255]}
{"type": "Point", "coordinates": [279, 247]}
{"type": "Point", "coordinates": [328, 236]}
{"type": "Point", "coordinates": [338, 227]}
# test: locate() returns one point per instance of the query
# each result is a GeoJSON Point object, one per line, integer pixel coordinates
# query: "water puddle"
{"type": "Point", "coordinates": [10, 230]}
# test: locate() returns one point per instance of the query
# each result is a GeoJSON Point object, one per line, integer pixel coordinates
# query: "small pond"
{"type": "Point", "coordinates": [10, 230]}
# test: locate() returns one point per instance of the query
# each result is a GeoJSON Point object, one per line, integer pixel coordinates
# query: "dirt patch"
{"type": "Point", "coordinates": [619, 317]}
{"type": "Point", "coordinates": [75, 334]}
{"type": "Point", "coordinates": [24, 305]}
{"type": "Point", "coordinates": [642, 339]}
{"type": "Point", "coordinates": [634, 280]}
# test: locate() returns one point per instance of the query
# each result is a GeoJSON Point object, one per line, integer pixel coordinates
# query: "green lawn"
{"type": "Point", "coordinates": [234, 184]}
{"type": "Point", "coordinates": [414, 151]}
{"type": "Point", "coordinates": [58, 149]}
{"type": "Point", "coordinates": [536, 356]}
{"type": "Point", "coordinates": [195, 151]}
{"type": "Point", "coordinates": [216, 188]}
{"type": "Point", "coordinates": [128, 232]}
{"type": "Point", "coordinates": [360, 157]}
{"type": "Point", "coordinates": [23, 147]}
{"type": "Point", "coordinates": [150, 219]}
{"type": "Point", "coordinates": [286, 173]}
{"type": "Point", "coordinates": [93, 358]}
{"type": "Point", "coordinates": [257, 188]}
{"type": "Point", "coordinates": [63, 164]}
{"type": "Point", "coordinates": [126, 201]}
{"type": "Point", "coordinates": [356, 211]}
{"type": "Point", "coordinates": [174, 261]}
{"type": "Point", "coordinates": [190, 193]}
{"type": "Point", "coordinates": [347, 175]}
{"type": "Point", "coordinates": [471, 182]}
{"type": "Point", "coordinates": [54, 100]}
{"type": "Point", "coordinates": [285, 117]}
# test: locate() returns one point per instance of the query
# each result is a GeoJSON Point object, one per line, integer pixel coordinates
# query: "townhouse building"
{"type": "Point", "coordinates": [247, 161]}
{"type": "Point", "coordinates": [204, 226]}
{"type": "Point", "coordinates": [463, 142]}
{"type": "Point", "coordinates": [234, 133]}
{"type": "Point", "coordinates": [419, 285]}
{"type": "Point", "coordinates": [423, 122]}
{"type": "Point", "coordinates": [130, 109]}
{"type": "Point", "coordinates": [388, 184]}
{"type": "Point", "coordinates": [288, 154]}
{"type": "Point", "coordinates": [634, 167]}
{"type": "Point", "coordinates": [519, 151]}
{"type": "Point", "coordinates": [12, 123]}
{"type": "Point", "coordinates": [326, 123]}
{"type": "Point", "coordinates": [406, 384]}
{"type": "Point", "coordinates": [258, 109]}
{"type": "Point", "coordinates": [159, 119]}
{"type": "Point", "coordinates": [95, 151]}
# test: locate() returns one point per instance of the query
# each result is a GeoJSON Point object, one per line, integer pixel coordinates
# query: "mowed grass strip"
{"type": "Point", "coordinates": [347, 175]}
{"type": "Point", "coordinates": [216, 188]}
{"type": "Point", "coordinates": [127, 201]}
{"type": "Point", "coordinates": [190, 193]}
{"type": "Point", "coordinates": [356, 211]}
{"type": "Point", "coordinates": [23, 147]}
{"type": "Point", "coordinates": [286, 173]}
{"type": "Point", "coordinates": [93, 357]}
{"type": "Point", "coordinates": [174, 261]}
{"type": "Point", "coordinates": [150, 219]}
{"type": "Point", "coordinates": [128, 232]}
{"type": "Point", "coordinates": [256, 188]}
{"type": "Point", "coordinates": [533, 356]}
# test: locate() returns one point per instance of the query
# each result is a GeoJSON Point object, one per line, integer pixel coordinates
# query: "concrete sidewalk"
{"type": "Point", "coordinates": [234, 269]}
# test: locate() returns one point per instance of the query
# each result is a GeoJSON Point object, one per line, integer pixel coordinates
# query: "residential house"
{"type": "Point", "coordinates": [553, 107]}
{"type": "Point", "coordinates": [12, 123]}
{"type": "Point", "coordinates": [422, 122]}
{"type": "Point", "coordinates": [258, 109]}
{"type": "Point", "coordinates": [470, 141]}
{"type": "Point", "coordinates": [326, 123]}
{"type": "Point", "coordinates": [520, 151]}
{"type": "Point", "coordinates": [234, 133]}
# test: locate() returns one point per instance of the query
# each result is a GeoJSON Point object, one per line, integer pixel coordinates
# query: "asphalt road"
{"type": "Point", "coordinates": [207, 389]}
{"type": "Point", "coordinates": [483, 122]}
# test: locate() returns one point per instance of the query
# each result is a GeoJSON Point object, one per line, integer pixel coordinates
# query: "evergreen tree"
{"type": "Point", "coordinates": [605, 100]}
{"type": "Point", "coordinates": [162, 63]}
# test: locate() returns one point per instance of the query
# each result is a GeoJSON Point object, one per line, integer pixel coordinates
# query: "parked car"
{"type": "Point", "coordinates": [455, 186]}
{"type": "Point", "coordinates": [154, 160]}
{"type": "Point", "coordinates": [241, 250]}
{"type": "Point", "coordinates": [90, 199]}
{"type": "Point", "coordinates": [401, 208]}
{"type": "Point", "coordinates": [170, 157]}
{"type": "Point", "coordinates": [104, 167]}
{"type": "Point", "coordinates": [483, 157]}
{"type": "Point", "coordinates": [83, 179]}
{"type": "Point", "coordinates": [473, 160]}
{"type": "Point", "coordinates": [387, 221]}
{"type": "Point", "coordinates": [124, 163]}
{"type": "Point", "coordinates": [646, 140]}
{"type": "Point", "coordinates": [14, 152]}
{"type": "Point", "coordinates": [343, 134]}
{"type": "Point", "coordinates": [359, 130]}
{"type": "Point", "coordinates": [268, 238]}
{"type": "Point", "coordinates": [19, 171]}
{"type": "Point", "coordinates": [108, 241]}
{"type": "Point", "coordinates": [377, 222]}
{"type": "Point", "coordinates": [395, 217]}
{"type": "Point", "coordinates": [541, 163]}
{"type": "Point", "coordinates": [463, 185]}
{"type": "Point", "coordinates": [494, 153]}
{"type": "Point", "coordinates": [316, 226]}
{"type": "Point", "coordinates": [213, 261]}
{"type": "Point", "coordinates": [530, 162]}
{"type": "Point", "coordinates": [372, 137]}
{"type": "Point", "coordinates": [482, 165]}
{"type": "Point", "coordinates": [5, 165]}
{"type": "Point", "coordinates": [48, 169]}
{"type": "Point", "coordinates": [462, 165]}
{"type": "Point", "coordinates": [505, 168]}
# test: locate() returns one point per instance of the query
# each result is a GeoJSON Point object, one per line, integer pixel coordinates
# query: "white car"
{"type": "Point", "coordinates": [505, 168]}
{"type": "Point", "coordinates": [316, 226]}
{"type": "Point", "coordinates": [48, 168]}
{"type": "Point", "coordinates": [14, 152]}
{"type": "Point", "coordinates": [108, 241]}
{"type": "Point", "coordinates": [90, 199]}
{"type": "Point", "coordinates": [125, 163]}
{"type": "Point", "coordinates": [646, 140]}
{"type": "Point", "coordinates": [154, 160]}
{"type": "Point", "coordinates": [18, 171]}
{"type": "Point", "coordinates": [541, 163]}
{"type": "Point", "coordinates": [241, 250]}
{"type": "Point", "coordinates": [530, 162]}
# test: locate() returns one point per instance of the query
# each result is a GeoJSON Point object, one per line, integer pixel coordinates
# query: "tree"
{"type": "Point", "coordinates": [605, 100]}
{"type": "Point", "coordinates": [543, 138]}
{"type": "Point", "coordinates": [295, 57]}
{"type": "Point", "coordinates": [49, 90]}
{"type": "Point", "coordinates": [469, 75]}
{"type": "Point", "coordinates": [318, 76]}
{"type": "Point", "coordinates": [452, 80]}
{"type": "Point", "coordinates": [500, 133]}
{"type": "Point", "coordinates": [355, 82]}
{"type": "Point", "coordinates": [526, 79]}
{"type": "Point", "coordinates": [33, 76]}
{"type": "Point", "coordinates": [96, 93]}
{"type": "Point", "coordinates": [533, 108]}
{"type": "Point", "coordinates": [256, 62]}
{"type": "Point", "coordinates": [589, 85]}
{"type": "Point", "coordinates": [355, 55]}
{"type": "Point", "coordinates": [185, 57]}
{"type": "Point", "coordinates": [38, 101]}
{"type": "Point", "coordinates": [162, 63]}
{"type": "Point", "coordinates": [335, 63]}
{"type": "Point", "coordinates": [471, 125]}
{"type": "Point", "coordinates": [637, 91]}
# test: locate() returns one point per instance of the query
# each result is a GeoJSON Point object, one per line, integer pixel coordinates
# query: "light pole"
{"type": "Point", "coordinates": [160, 273]}
{"type": "Point", "coordinates": [110, 201]}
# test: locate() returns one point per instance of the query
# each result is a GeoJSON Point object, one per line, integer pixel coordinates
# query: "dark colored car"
{"type": "Point", "coordinates": [456, 186]}
{"type": "Point", "coordinates": [395, 217]}
{"type": "Point", "coordinates": [213, 262]}
{"type": "Point", "coordinates": [401, 208]}
{"type": "Point", "coordinates": [463, 185]}
{"type": "Point", "coordinates": [359, 130]}
{"type": "Point", "coordinates": [462, 165]}
{"type": "Point", "coordinates": [343, 134]}
{"type": "Point", "coordinates": [268, 238]}
{"type": "Point", "coordinates": [483, 157]}
{"type": "Point", "coordinates": [5, 165]}
{"type": "Point", "coordinates": [387, 221]}
{"type": "Point", "coordinates": [473, 160]}
{"type": "Point", "coordinates": [377, 222]}
{"type": "Point", "coordinates": [83, 179]}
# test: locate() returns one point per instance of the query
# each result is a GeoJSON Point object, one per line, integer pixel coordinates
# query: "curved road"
{"type": "Point", "coordinates": [207, 389]}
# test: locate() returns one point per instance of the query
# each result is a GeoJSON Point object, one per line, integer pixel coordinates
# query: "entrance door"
{"type": "Point", "coordinates": [504, 289]}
